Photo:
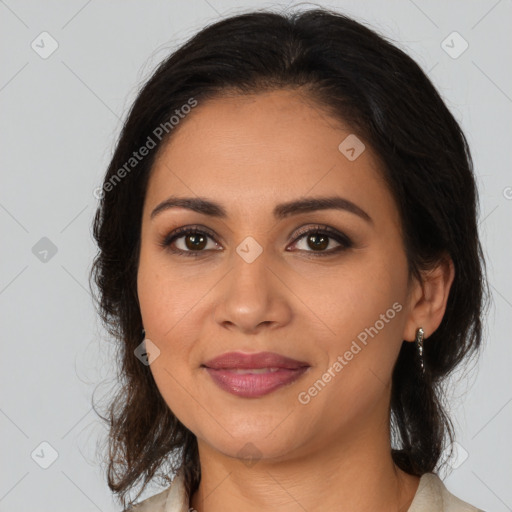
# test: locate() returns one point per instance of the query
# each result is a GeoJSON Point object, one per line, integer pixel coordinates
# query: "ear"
{"type": "Point", "coordinates": [428, 299]}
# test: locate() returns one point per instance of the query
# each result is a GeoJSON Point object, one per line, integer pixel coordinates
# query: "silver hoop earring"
{"type": "Point", "coordinates": [419, 342]}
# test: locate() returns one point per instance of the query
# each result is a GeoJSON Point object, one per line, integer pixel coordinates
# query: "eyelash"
{"type": "Point", "coordinates": [342, 239]}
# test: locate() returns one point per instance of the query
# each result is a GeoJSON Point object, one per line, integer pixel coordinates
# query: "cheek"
{"type": "Point", "coordinates": [165, 313]}
{"type": "Point", "coordinates": [166, 297]}
{"type": "Point", "coordinates": [361, 307]}
{"type": "Point", "coordinates": [166, 304]}
{"type": "Point", "coordinates": [343, 299]}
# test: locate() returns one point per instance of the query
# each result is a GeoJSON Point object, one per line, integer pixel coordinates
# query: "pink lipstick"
{"type": "Point", "coordinates": [254, 375]}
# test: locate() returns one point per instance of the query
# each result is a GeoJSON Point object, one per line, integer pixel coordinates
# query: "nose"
{"type": "Point", "coordinates": [252, 296]}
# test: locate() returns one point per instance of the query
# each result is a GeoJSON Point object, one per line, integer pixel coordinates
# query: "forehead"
{"type": "Point", "coordinates": [249, 152]}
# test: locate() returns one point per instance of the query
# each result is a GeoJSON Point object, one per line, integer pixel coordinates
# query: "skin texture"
{"type": "Point", "coordinates": [249, 153]}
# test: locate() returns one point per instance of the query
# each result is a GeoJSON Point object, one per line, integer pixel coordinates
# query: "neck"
{"type": "Point", "coordinates": [356, 476]}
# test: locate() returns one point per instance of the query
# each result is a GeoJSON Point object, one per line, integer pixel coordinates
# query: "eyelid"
{"type": "Point", "coordinates": [343, 240]}
{"type": "Point", "coordinates": [183, 230]}
{"type": "Point", "coordinates": [308, 228]}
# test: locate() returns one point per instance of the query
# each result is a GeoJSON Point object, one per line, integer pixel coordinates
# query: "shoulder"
{"type": "Point", "coordinates": [432, 495]}
{"type": "Point", "coordinates": [155, 503]}
{"type": "Point", "coordinates": [172, 499]}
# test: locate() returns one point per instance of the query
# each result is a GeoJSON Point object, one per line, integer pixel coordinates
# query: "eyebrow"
{"type": "Point", "coordinates": [281, 211]}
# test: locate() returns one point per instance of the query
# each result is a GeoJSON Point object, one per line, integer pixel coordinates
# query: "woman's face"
{"type": "Point", "coordinates": [252, 280]}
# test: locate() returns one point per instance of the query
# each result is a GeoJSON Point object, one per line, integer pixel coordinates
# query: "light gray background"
{"type": "Point", "coordinates": [60, 117]}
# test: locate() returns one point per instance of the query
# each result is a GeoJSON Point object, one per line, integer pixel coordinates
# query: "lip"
{"type": "Point", "coordinates": [242, 361]}
{"type": "Point", "coordinates": [232, 372]}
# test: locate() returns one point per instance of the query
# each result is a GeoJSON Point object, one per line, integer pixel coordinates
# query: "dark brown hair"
{"type": "Point", "coordinates": [383, 95]}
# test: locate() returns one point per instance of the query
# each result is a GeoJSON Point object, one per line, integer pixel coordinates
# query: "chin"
{"type": "Point", "coordinates": [251, 441]}
{"type": "Point", "coordinates": [251, 449]}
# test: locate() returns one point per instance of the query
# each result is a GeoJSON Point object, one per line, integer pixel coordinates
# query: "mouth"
{"type": "Point", "coordinates": [254, 375]}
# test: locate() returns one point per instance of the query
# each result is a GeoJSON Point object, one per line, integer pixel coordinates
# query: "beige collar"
{"type": "Point", "coordinates": [431, 496]}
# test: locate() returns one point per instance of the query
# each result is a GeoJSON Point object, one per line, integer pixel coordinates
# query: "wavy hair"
{"type": "Point", "coordinates": [362, 79]}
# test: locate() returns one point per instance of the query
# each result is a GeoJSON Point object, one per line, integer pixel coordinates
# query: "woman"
{"type": "Point", "coordinates": [289, 258]}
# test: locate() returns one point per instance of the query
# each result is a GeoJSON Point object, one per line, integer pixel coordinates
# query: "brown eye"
{"type": "Point", "coordinates": [318, 239]}
{"type": "Point", "coordinates": [191, 241]}
{"type": "Point", "coordinates": [188, 241]}
{"type": "Point", "coordinates": [195, 241]}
